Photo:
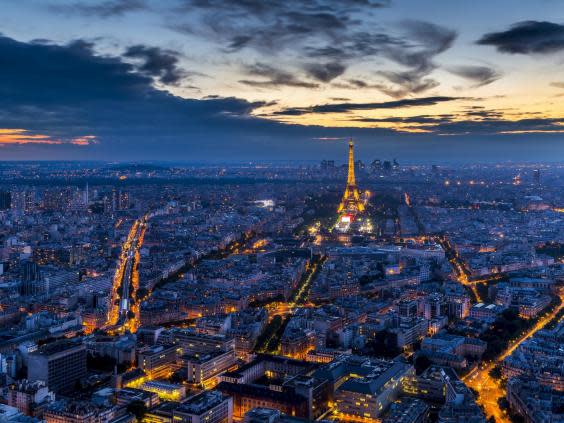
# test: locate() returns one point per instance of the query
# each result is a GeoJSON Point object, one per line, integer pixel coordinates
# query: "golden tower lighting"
{"type": "Point", "coordinates": [351, 202]}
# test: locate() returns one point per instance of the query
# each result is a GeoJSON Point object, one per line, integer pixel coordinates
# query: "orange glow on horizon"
{"type": "Point", "coordinates": [508, 108]}
{"type": "Point", "coordinates": [85, 140]}
{"type": "Point", "coordinates": [20, 136]}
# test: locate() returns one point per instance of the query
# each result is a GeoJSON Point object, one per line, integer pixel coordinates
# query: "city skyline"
{"type": "Point", "coordinates": [282, 211]}
{"type": "Point", "coordinates": [199, 80]}
{"type": "Point", "coordinates": [136, 293]}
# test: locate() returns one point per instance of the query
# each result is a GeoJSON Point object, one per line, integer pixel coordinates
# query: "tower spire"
{"type": "Point", "coordinates": [351, 178]}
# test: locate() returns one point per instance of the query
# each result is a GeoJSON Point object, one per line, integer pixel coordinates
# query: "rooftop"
{"type": "Point", "coordinates": [202, 402]}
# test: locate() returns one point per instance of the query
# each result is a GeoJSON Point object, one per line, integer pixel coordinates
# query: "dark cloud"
{"type": "Point", "coordinates": [482, 113]}
{"type": "Point", "coordinates": [348, 107]}
{"type": "Point", "coordinates": [325, 72]}
{"type": "Point", "coordinates": [527, 37]}
{"type": "Point", "coordinates": [354, 84]}
{"type": "Point", "coordinates": [557, 84]}
{"type": "Point", "coordinates": [408, 82]}
{"type": "Point", "coordinates": [328, 52]}
{"type": "Point", "coordinates": [274, 77]}
{"type": "Point", "coordinates": [269, 7]}
{"type": "Point", "coordinates": [415, 50]}
{"type": "Point", "coordinates": [421, 119]}
{"type": "Point", "coordinates": [239, 41]}
{"type": "Point", "coordinates": [70, 93]}
{"type": "Point", "coordinates": [156, 62]}
{"type": "Point", "coordinates": [475, 123]}
{"type": "Point", "coordinates": [331, 31]}
{"type": "Point", "coordinates": [426, 40]}
{"type": "Point", "coordinates": [497, 126]}
{"type": "Point", "coordinates": [104, 9]}
{"type": "Point", "coordinates": [479, 75]}
{"type": "Point", "coordinates": [41, 74]}
{"type": "Point", "coordinates": [359, 83]}
{"type": "Point", "coordinates": [363, 84]}
{"type": "Point", "coordinates": [357, 43]}
{"type": "Point", "coordinates": [269, 25]}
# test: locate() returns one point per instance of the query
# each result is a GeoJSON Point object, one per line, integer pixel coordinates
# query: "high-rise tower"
{"type": "Point", "coordinates": [351, 202]}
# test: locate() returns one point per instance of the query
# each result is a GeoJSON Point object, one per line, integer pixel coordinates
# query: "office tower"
{"type": "Point", "coordinates": [61, 365]}
{"type": "Point", "coordinates": [376, 165]}
{"type": "Point", "coordinates": [5, 200]}
{"type": "Point", "coordinates": [123, 200]}
{"type": "Point", "coordinates": [536, 177]}
{"type": "Point", "coordinates": [30, 278]}
{"type": "Point", "coordinates": [86, 195]}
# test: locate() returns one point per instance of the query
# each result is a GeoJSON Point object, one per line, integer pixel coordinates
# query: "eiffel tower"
{"type": "Point", "coordinates": [351, 202]}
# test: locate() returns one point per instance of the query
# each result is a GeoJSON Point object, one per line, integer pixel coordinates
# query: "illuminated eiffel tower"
{"type": "Point", "coordinates": [351, 202]}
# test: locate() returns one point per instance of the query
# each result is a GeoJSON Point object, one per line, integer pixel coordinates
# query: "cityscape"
{"type": "Point", "coordinates": [265, 211]}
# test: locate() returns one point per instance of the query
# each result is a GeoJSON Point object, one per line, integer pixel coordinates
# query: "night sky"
{"type": "Point", "coordinates": [236, 80]}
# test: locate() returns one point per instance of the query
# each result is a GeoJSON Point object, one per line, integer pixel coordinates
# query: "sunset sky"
{"type": "Point", "coordinates": [235, 80]}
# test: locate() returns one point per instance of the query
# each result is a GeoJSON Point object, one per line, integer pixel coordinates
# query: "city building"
{"type": "Point", "coordinates": [84, 412]}
{"type": "Point", "coordinates": [30, 397]}
{"type": "Point", "coordinates": [539, 358]}
{"type": "Point", "coordinates": [207, 407]}
{"type": "Point", "coordinates": [279, 383]}
{"type": "Point", "coordinates": [364, 387]}
{"type": "Point", "coordinates": [203, 369]}
{"type": "Point", "coordinates": [368, 395]}
{"type": "Point", "coordinates": [166, 391]}
{"type": "Point", "coordinates": [407, 410]}
{"type": "Point", "coordinates": [192, 342]}
{"type": "Point", "coordinates": [451, 350]}
{"type": "Point", "coordinates": [158, 360]}
{"type": "Point", "coordinates": [61, 365]}
{"type": "Point", "coordinates": [533, 401]}
{"type": "Point", "coordinates": [486, 312]}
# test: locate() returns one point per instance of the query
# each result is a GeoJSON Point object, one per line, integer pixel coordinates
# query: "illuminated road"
{"type": "Point", "coordinates": [126, 280]}
{"type": "Point", "coordinates": [459, 266]}
{"type": "Point", "coordinates": [299, 300]}
{"type": "Point", "coordinates": [488, 388]}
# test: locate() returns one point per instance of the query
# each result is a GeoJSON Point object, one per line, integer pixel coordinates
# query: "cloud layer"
{"type": "Point", "coordinates": [323, 38]}
{"type": "Point", "coordinates": [105, 9]}
{"type": "Point", "coordinates": [478, 75]}
{"type": "Point", "coordinates": [348, 107]}
{"type": "Point", "coordinates": [282, 62]}
{"type": "Point", "coordinates": [528, 37]}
